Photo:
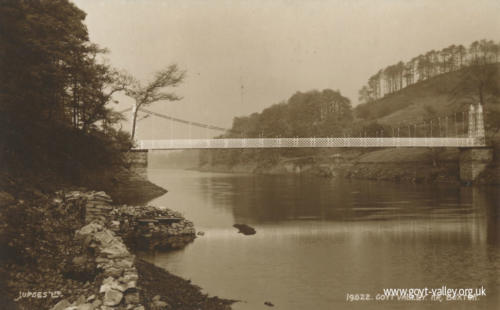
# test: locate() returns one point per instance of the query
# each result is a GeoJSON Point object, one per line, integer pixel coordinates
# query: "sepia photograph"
{"type": "Point", "coordinates": [249, 154]}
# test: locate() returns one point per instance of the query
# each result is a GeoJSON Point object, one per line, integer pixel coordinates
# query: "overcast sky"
{"type": "Point", "coordinates": [242, 56]}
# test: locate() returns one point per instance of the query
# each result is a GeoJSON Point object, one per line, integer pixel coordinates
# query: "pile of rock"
{"type": "Point", "coordinates": [146, 227]}
{"type": "Point", "coordinates": [119, 289]}
{"type": "Point", "coordinates": [94, 269]}
{"type": "Point", "coordinates": [151, 227]}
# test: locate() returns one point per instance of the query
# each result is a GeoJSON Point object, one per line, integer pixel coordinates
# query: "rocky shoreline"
{"type": "Point", "coordinates": [141, 227]}
{"type": "Point", "coordinates": [393, 172]}
{"type": "Point", "coordinates": [394, 165]}
{"type": "Point", "coordinates": [72, 251]}
{"type": "Point", "coordinates": [408, 165]}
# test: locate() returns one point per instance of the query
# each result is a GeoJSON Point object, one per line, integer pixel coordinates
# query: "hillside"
{"type": "Point", "coordinates": [303, 115]}
{"type": "Point", "coordinates": [430, 99]}
{"type": "Point", "coordinates": [425, 101]}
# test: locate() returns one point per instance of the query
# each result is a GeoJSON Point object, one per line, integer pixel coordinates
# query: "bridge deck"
{"type": "Point", "coordinates": [178, 144]}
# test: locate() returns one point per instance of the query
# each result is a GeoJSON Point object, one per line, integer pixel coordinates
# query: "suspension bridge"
{"type": "Point", "coordinates": [471, 134]}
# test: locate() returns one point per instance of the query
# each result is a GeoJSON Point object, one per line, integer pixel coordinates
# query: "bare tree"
{"type": "Point", "coordinates": [145, 95]}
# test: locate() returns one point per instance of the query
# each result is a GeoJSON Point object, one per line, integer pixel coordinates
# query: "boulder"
{"type": "Point", "coordinates": [97, 303]}
{"type": "Point", "coordinates": [61, 305]}
{"type": "Point", "coordinates": [124, 263]}
{"type": "Point", "coordinates": [113, 271]}
{"type": "Point", "coordinates": [85, 306]}
{"type": "Point", "coordinates": [87, 230]}
{"type": "Point", "coordinates": [115, 250]}
{"type": "Point", "coordinates": [104, 237]}
{"type": "Point", "coordinates": [105, 287]}
{"type": "Point", "coordinates": [132, 297]}
{"type": "Point", "coordinates": [130, 276]}
{"type": "Point", "coordinates": [111, 284]}
{"type": "Point", "coordinates": [245, 229]}
{"type": "Point", "coordinates": [131, 284]}
{"type": "Point", "coordinates": [112, 297]}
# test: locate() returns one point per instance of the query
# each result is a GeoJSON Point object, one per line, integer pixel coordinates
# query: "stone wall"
{"type": "Point", "coordinates": [107, 231]}
{"type": "Point", "coordinates": [138, 158]}
{"type": "Point", "coordinates": [119, 287]}
{"type": "Point", "coordinates": [145, 227]}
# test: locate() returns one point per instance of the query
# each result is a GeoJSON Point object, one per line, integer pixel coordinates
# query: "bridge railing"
{"type": "Point", "coordinates": [307, 142]}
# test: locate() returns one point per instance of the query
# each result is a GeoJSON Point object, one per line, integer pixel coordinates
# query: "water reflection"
{"type": "Point", "coordinates": [318, 239]}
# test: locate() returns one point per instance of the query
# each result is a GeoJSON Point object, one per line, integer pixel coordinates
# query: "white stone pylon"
{"type": "Point", "coordinates": [472, 121]}
{"type": "Point", "coordinates": [480, 135]}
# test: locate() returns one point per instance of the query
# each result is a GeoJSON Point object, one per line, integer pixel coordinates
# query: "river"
{"type": "Point", "coordinates": [320, 239]}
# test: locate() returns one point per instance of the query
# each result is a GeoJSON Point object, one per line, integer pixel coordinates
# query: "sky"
{"type": "Point", "coordinates": [243, 56]}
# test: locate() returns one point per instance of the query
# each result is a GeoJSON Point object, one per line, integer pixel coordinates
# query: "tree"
{"type": "Point", "coordinates": [365, 95]}
{"type": "Point", "coordinates": [421, 65]}
{"type": "Point", "coordinates": [462, 53]}
{"type": "Point", "coordinates": [54, 90]}
{"type": "Point", "coordinates": [92, 86]}
{"type": "Point", "coordinates": [374, 85]}
{"type": "Point", "coordinates": [152, 92]}
{"type": "Point", "coordinates": [409, 72]}
{"type": "Point", "coordinates": [478, 82]}
{"type": "Point", "coordinates": [38, 39]}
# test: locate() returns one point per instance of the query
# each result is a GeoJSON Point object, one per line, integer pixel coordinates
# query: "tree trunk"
{"type": "Point", "coordinates": [134, 120]}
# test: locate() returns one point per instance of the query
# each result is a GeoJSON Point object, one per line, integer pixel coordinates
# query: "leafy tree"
{"type": "Point", "coordinates": [478, 82]}
{"type": "Point", "coordinates": [145, 95]}
{"type": "Point", "coordinates": [38, 41]}
{"type": "Point", "coordinates": [365, 95]}
{"type": "Point", "coordinates": [54, 91]}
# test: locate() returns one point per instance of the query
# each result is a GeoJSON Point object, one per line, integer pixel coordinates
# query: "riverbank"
{"type": "Point", "coordinates": [398, 165]}
{"type": "Point", "coordinates": [410, 165]}
{"type": "Point", "coordinates": [45, 265]}
{"type": "Point", "coordinates": [178, 292]}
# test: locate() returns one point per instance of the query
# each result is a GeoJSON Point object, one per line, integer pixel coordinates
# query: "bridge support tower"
{"type": "Point", "coordinates": [474, 160]}
{"type": "Point", "coordinates": [138, 158]}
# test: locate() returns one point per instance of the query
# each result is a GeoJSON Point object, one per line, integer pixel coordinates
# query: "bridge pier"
{"type": "Point", "coordinates": [473, 161]}
{"type": "Point", "coordinates": [137, 158]}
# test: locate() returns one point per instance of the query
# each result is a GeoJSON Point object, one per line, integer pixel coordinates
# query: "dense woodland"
{"type": "Point", "coordinates": [309, 114]}
{"type": "Point", "coordinates": [423, 67]}
{"type": "Point", "coordinates": [55, 91]}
